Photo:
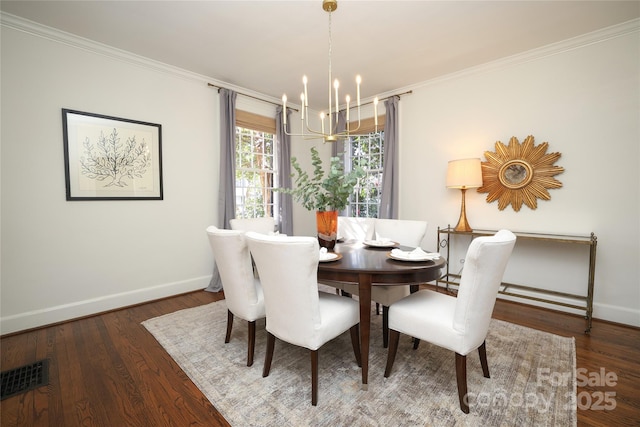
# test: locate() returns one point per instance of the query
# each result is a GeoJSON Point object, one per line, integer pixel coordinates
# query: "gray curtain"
{"type": "Point", "coordinates": [389, 197]}
{"type": "Point", "coordinates": [337, 148]}
{"type": "Point", "coordinates": [226, 193]}
{"type": "Point", "coordinates": [285, 220]}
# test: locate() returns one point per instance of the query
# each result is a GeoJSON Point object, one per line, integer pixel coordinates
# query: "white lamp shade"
{"type": "Point", "coordinates": [464, 173]}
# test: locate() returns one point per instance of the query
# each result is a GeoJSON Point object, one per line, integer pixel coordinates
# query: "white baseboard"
{"type": "Point", "coordinates": [606, 312]}
{"type": "Point", "coordinates": [611, 313]}
{"type": "Point", "coordinates": [60, 313]}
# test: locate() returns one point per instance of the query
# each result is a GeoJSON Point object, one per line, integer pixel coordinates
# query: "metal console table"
{"type": "Point", "coordinates": [511, 289]}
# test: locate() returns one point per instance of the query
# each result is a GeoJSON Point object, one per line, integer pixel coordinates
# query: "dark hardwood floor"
{"type": "Point", "coordinates": [107, 370]}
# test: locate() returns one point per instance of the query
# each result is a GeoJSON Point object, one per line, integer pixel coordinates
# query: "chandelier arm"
{"type": "Point", "coordinates": [332, 135]}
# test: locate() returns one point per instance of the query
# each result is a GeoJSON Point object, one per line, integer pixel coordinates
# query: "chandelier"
{"type": "Point", "coordinates": [329, 120]}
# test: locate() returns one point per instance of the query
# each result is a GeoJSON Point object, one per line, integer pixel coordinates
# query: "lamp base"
{"type": "Point", "coordinates": [463, 224]}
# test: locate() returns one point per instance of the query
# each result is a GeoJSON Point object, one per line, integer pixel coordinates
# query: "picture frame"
{"type": "Point", "coordinates": [519, 173]}
{"type": "Point", "coordinates": [111, 158]}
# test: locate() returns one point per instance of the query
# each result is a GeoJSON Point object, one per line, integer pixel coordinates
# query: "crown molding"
{"type": "Point", "coordinates": [53, 34]}
{"type": "Point", "coordinates": [34, 28]}
{"type": "Point", "coordinates": [578, 42]}
{"type": "Point", "coordinates": [30, 27]}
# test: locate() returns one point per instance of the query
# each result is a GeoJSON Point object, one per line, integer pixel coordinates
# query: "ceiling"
{"type": "Point", "coordinates": [266, 46]}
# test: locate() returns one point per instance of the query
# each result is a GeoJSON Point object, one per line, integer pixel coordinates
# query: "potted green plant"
{"type": "Point", "coordinates": [326, 195]}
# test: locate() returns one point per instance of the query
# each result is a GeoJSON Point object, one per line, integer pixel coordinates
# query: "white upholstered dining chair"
{"type": "Point", "coordinates": [352, 229]}
{"type": "Point", "coordinates": [264, 225]}
{"type": "Point", "coordinates": [405, 232]}
{"type": "Point", "coordinates": [296, 312]}
{"type": "Point", "coordinates": [355, 228]}
{"type": "Point", "coordinates": [458, 324]}
{"type": "Point", "coordinates": [242, 291]}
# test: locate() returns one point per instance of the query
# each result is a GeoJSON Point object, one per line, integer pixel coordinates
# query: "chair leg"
{"type": "Point", "coordinates": [268, 357]}
{"type": "Point", "coordinates": [251, 343]}
{"type": "Point", "coordinates": [227, 338]}
{"type": "Point", "coordinates": [385, 326]}
{"type": "Point", "coordinates": [377, 309]}
{"type": "Point", "coordinates": [482, 351]}
{"type": "Point", "coordinates": [416, 343]}
{"type": "Point", "coordinates": [461, 376]}
{"type": "Point", "coordinates": [413, 289]}
{"type": "Point", "coordinates": [355, 343]}
{"type": "Point", "coordinates": [314, 377]}
{"type": "Point", "coordinates": [394, 338]}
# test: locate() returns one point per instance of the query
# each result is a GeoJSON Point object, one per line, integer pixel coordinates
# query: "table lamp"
{"type": "Point", "coordinates": [463, 174]}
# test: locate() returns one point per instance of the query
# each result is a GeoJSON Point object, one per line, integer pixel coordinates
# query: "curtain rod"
{"type": "Point", "coordinates": [251, 96]}
{"type": "Point", "coordinates": [274, 103]}
{"type": "Point", "coordinates": [409, 92]}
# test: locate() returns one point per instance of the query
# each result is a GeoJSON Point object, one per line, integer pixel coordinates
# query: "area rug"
{"type": "Point", "coordinates": [532, 380]}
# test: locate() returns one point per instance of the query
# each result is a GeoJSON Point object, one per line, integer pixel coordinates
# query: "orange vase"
{"type": "Point", "coordinates": [327, 223]}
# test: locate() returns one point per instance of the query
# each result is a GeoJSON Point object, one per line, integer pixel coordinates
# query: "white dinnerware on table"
{"type": "Point", "coordinates": [381, 243]}
{"type": "Point", "coordinates": [415, 255]}
{"type": "Point", "coordinates": [326, 256]}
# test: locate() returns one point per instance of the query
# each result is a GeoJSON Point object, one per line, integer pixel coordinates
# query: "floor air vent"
{"type": "Point", "coordinates": [24, 378]}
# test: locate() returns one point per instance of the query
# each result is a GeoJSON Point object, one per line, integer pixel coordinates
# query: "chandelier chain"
{"type": "Point", "coordinates": [331, 134]}
{"type": "Point", "coordinates": [330, 51]}
{"type": "Point", "coordinates": [330, 79]}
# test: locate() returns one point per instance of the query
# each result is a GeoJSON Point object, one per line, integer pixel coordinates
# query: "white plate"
{"type": "Point", "coordinates": [330, 256]}
{"type": "Point", "coordinates": [413, 259]}
{"type": "Point", "coordinates": [380, 244]}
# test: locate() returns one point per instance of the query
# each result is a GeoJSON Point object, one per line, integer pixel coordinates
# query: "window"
{"type": "Point", "coordinates": [256, 166]}
{"type": "Point", "coordinates": [368, 152]}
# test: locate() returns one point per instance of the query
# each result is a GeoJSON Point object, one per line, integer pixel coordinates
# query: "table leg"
{"type": "Point", "coordinates": [413, 289]}
{"type": "Point", "coordinates": [364, 288]}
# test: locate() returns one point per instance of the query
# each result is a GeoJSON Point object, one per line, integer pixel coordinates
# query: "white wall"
{"type": "Point", "coordinates": [62, 259]}
{"type": "Point", "coordinates": [66, 259]}
{"type": "Point", "coordinates": [583, 98]}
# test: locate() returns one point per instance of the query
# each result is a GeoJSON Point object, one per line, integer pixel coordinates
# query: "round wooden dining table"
{"type": "Point", "coordinates": [370, 266]}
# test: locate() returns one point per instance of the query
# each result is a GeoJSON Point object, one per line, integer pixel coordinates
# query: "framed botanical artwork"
{"type": "Point", "coordinates": [110, 158]}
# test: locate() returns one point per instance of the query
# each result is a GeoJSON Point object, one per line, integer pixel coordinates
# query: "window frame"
{"type": "Point", "coordinates": [266, 125]}
{"type": "Point", "coordinates": [367, 127]}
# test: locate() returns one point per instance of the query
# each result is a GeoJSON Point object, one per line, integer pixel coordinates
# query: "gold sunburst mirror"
{"type": "Point", "coordinates": [519, 173]}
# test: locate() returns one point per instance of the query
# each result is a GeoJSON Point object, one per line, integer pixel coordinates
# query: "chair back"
{"type": "Point", "coordinates": [242, 291]}
{"type": "Point", "coordinates": [484, 266]}
{"type": "Point", "coordinates": [404, 231]}
{"type": "Point", "coordinates": [355, 228]}
{"type": "Point", "coordinates": [288, 268]}
{"type": "Point", "coordinates": [266, 225]}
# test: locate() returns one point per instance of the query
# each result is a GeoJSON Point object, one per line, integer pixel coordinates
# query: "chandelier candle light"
{"type": "Point", "coordinates": [331, 134]}
{"type": "Point", "coordinates": [463, 174]}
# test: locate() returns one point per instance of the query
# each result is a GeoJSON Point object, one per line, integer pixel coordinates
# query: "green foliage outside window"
{"type": "Point", "coordinates": [254, 173]}
{"type": "Point", "coordinates": [368, 152]}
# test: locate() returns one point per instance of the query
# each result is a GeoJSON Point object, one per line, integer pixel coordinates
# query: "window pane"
{"type": "Point", "coordinates": [255, 170]}
{"type": "Point", "coordinates": [366, 151]}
